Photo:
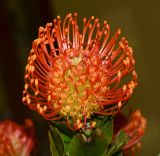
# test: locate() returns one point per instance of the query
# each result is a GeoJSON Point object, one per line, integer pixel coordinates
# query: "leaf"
{"type": "Point", "coordinates": [118, 143]}
{"type": "Point", "coordinates": [56, 143]}
{"type": "Point", "coordinates": [107, 129]}
{"type": "Point", "coordinates": [63, 128]}
{"type": "Point", "coordinates": [66, 140]}
{"type": "Point", "coordinates": [96, 147]}
{"type": "Point", "coordinates": [98, 119]}
{"type": "Point", "coordinates": [65, 137]}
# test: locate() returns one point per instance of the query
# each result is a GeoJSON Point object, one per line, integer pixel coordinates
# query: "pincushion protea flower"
{"type": "Point", "coordinates": [134, 126]}
{"type": "Point", "coordinates": [72, 73]}
{"type": "Point", "coordinates": [16, 140]}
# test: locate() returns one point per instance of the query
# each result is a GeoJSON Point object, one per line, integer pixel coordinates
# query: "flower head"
{"type": "Point", "coordinates": [16, 139]}
{"type": "Point", "coordinates": [134, 126]}
{"type": "Point", "coordinates": [73, 73]}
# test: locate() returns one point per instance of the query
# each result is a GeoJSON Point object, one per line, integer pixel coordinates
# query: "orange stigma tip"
{"type": "Point", "coordinates": [26, 76]}
{"type": "Point", "coordinates": [107, 26]}
{"type": "Point", "coordinates": [27, 96]}
{"type": "Point", "coordinates": [24, 92]}
{"type": "Point", "coordinates": [93, 124]}
{"type": "Point", "coordinates": [119, 31]}
{"type": "Point", "coordinates": [40, 29]}
{"type": "Point", "coordinates": [45, 108]}
{"type": "Point", "coordinates": [41, 110]}
{"type": "Point", "coordinates": [124, 88]}
{"type": "Point", "coordinates": [38, 105]}
{"type": "Point", "coordinates": [90, 25]}
{"type": "Point", "coordinates": [131, 91]}
{"type": "Point", "coordinates": [119, 73]}
{"type": "Point", "coordinates": [36, 83]}
{"type": "Point", "coordinates": [92, 17]}
{"type": "Point", "coordinates": [119, 104]}
{"type": "Point", "coordinates": [23, 99]}
{"type": "Point", "coordinates": [96, 20]}
{"type": "Point", "coordinates": [49, 98]}
{"type": "Point", "coordinates": [98, 25]}
{"type": "Point", "coordinates": [36, 92]}
{"type": "Point", "coordinates": [69, 15]}
{"type": "Point", "coordinates": [84, 19]}
{"type": "Point", "coordinates": [105, 32]}
{"type": "Point", "coordinates": [133, 85]}
{"type": "Point", "coordinates": [28, 101]}
{"type": "Point", "coordinates": [75, 14]}
{"type": "Point", "coordinates": [134, 72]}
{"type": "Point", "coordinates": [26, 86]}
{"type": "Point", "coordinates": [79, 126]}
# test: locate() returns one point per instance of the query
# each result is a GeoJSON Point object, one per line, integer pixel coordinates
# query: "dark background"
{"type": "Point", "coordinates": [140, 23]}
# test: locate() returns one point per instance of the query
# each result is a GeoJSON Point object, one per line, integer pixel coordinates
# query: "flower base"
{"type": "Point", "coordinates": [87, 142]}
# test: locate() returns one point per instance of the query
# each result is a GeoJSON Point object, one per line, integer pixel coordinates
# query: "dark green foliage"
{"type": "Point", "coordinates": [56, 143]}
{"type": "Point", "coordinates": [97, 146]}
{"type": "Point", "coordinates": [117, 144]}
{"type": "Point", "coordinates": [87, 142]}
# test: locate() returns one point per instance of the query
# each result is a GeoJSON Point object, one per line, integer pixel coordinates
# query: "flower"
{"type": "Point", "coordinates": [16, 139]}
{"type": "Point", "coordinates": [134, 126]}
{"type": "Point", "coordinates": [73, 73]}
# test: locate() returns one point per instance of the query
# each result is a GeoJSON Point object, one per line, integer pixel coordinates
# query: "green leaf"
{"type": "Point", "coordinates": [65, 137]}
{"type": "Point", "coordinates": [107, 129]}
{"type": "Point", "coordinates": [63, 128]}
{"type": "Point", "coordinates": [106, 124]}
{"type": "Point", "coordinates": [66, 140]}
{"type": "Point", "coordinates": [118, 143]}
{"type": "Point", "coordinates": [88, 132]}
{"type": "Point", "coordinates": [56, 143]}
{"type": "Point", "coordinates": [98, 119]}
{"type": "Point", "coordinates": [97, 146]}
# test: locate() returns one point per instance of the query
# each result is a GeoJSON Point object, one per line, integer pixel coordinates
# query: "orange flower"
{"type": "Point", "coordinates": [15, 139]}
{"type": "Point", "coordinates": [135, 130]}
{"type": "Point", "coordinates": [73, 73]}
{"type": "Point", "coordinates": [134, 127]}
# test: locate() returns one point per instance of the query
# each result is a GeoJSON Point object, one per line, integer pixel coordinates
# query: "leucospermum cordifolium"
{"type": "Point", "coordinates": [134, 126]}
{"type": "Point", "coordinates": [73, 74]}
{"type": "Point", "coordinates": [17, 140]}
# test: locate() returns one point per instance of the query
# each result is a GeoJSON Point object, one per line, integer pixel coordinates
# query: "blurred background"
{"type": "Point", "coordinates": [140, 24]}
